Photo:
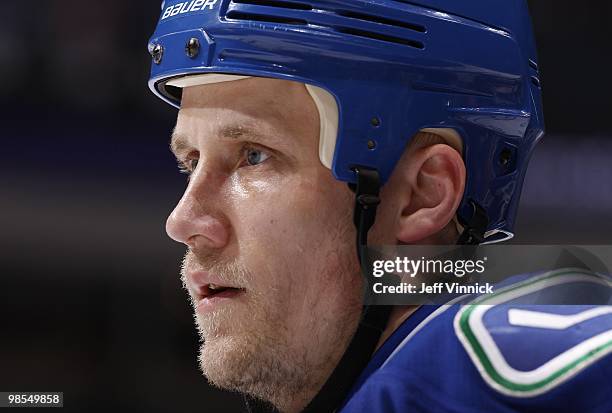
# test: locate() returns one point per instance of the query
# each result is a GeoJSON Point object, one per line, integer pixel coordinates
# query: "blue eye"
{"type": "Point", "coordinates": [255, 156]}
{"type": "Point", "coordinates": [188, 166]}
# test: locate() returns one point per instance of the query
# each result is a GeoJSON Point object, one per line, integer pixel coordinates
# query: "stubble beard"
{"type": "Point", "coordinates": [247, 348]}
{"type": "Point", "coordinates": [244, 346]}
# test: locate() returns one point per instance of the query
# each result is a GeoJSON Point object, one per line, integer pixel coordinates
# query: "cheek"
{"type": "Point", "coordinates": [297, 233]}
{"type": "Point", "coordinates": [293, 213]}
{"type": "Point", "coordinates": [312, 222]}
{"type": "Point", "coordinates": [297, 239]}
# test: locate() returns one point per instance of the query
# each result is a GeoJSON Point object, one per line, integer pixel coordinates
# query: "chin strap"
{"type": "Point", "coordinates": [374, 318]}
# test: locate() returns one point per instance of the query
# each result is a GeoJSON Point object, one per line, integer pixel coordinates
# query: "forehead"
{"type": "Point", "coordinates": [281, 105]}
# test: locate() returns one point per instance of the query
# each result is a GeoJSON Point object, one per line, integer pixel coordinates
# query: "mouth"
{"type": "Point", "coordinates": [211, 296]}
{"type": "Point", "coordinates": [215, 290]}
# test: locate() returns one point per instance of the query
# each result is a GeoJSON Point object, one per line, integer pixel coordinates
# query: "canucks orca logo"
{"type": "Point", "coordinates": [524, 350]}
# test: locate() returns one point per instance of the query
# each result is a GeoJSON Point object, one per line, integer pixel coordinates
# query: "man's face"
{"type": "Point", "coordinates": [263, 215]}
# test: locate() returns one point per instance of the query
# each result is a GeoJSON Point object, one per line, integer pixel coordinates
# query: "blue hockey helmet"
{"type": "Point", "coordinates": [379, 71]}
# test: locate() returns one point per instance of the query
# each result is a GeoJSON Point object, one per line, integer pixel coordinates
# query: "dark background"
{"type": "Point", "coordinates": [90, 299]}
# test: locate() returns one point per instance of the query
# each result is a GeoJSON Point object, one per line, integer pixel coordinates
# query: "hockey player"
{"type": "Point", "coordinates": [429, 110]}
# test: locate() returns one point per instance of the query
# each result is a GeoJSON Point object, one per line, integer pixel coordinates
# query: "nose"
{"type": "Point", "coordinates": [194, 225]}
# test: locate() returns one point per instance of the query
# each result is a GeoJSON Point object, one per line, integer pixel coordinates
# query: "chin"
{"type": "Point", "coordinates": [246, 365]}
{"type": "Point", "coordinates": [229, 363]}
{"type": "Point", "coordinates": [221, 360]}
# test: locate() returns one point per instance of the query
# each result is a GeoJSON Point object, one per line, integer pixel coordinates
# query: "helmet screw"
{"type": "Point", "coordinates": [504, 157]}
{"type": "Point", "coordinates": [156, 53]}
{"type": "Point", "coordinates": [375, 121]}
{"type": "Point", "coordinates": [192, 48]}
{"type": "Point", "coordinates": [371, 144]}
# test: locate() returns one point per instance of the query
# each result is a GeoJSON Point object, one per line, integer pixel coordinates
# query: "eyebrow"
{"type": "Point", "coordinates": [179, 142]}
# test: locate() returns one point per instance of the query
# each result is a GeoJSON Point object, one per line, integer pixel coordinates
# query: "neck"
{"type": "Point", "coordinates": [399, 314]}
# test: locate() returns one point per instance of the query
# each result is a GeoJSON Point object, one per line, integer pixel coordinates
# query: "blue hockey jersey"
{"type": "Point", "coordinates": [509, 351]}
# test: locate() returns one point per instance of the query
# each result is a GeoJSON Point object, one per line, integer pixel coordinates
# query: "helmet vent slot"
{"type": "Point", "coordinates": [382, 20]}
{"type": "Point", "coordinates": [535, 77]}
{"type": "Point", "coordinates": [276, 3]}
{"type": "Point", "coordinates": [380, 36]}
{"type": "Point", "coordinates": [383, 27]}
{"type": "Point", "coordinates": [237, 15]}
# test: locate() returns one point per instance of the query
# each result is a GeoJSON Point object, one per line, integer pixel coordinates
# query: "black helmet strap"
{"type": "Point", "coordinates": [373, 317]}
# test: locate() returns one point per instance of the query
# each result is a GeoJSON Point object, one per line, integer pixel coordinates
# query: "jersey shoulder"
{"type": "Point", "coordinates": [514, 350]}
{"type": "Point", "coordinates": [524, 342]}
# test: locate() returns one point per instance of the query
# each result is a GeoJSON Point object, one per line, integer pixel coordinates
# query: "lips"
{"type": "Point", "coordinates": [213, 290]}
{"type": "Point", "coordinates": [210, 291]}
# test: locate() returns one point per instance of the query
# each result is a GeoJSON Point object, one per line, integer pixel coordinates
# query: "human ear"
{"type": "Point", "coordinates": [435, 176]}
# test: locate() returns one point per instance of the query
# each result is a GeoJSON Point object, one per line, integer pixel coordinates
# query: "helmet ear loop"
{"type": "Point", "coordinates": [367, 198]}
{"type": "Point", "coordinates": [474, 231]}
